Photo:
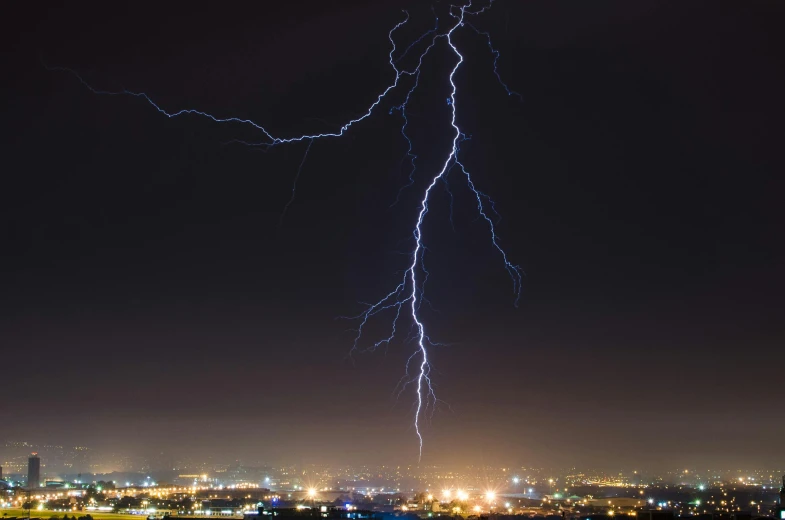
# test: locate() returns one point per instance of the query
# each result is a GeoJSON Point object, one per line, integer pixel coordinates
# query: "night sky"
{"type": "Point", "coordinates": [151, 301]}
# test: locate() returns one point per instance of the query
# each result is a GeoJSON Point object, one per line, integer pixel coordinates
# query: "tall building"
{"type": "Point", "coordinates": [782, 499]}
{"type": "Point", "coordinates": [33, 471]}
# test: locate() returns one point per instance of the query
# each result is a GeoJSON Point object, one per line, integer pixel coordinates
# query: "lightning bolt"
{"type": "Point", "coordinates": [409, 294]}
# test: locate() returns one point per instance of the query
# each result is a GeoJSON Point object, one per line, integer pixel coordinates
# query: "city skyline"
{"type": "Point", "coordinates": [425, 492]}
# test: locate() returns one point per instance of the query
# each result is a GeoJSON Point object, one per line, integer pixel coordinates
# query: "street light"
{"type": "Point", "coordinates": [490, 496]}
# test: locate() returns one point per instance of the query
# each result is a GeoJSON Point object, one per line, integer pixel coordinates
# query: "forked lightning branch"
{"type": "Point", "coordinates": [407, 297]}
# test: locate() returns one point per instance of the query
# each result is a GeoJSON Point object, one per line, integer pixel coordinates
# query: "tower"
{"type": "Point", "coordinates": [33, 471]}
{"type": "Point", "coordinates": [782, 499]}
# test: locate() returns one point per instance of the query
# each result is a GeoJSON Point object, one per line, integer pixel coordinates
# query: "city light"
{"type": "Point", "coordinates": [250, 495]}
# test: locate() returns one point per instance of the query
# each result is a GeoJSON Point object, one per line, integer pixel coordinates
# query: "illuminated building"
{"type": "Point", "coordinates": [33, 471]}
{"type": "Point", "coordinates": [322, 512]}
{"type": "Point", "coordinates": [3, 484]}
{"type": "Point", "coordinates": [782, 499]}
